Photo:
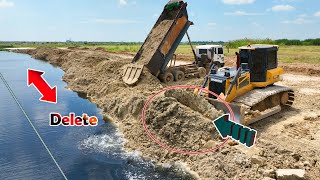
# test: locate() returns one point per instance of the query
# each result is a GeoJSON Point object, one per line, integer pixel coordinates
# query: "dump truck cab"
{"type": "Point", "coordinates": [212, 53]}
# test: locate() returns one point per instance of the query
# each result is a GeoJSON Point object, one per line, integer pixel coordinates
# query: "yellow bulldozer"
{"type": "Point", "coordinates": [250, 87]}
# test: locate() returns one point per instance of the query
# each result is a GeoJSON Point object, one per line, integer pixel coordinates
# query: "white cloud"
{"type": "Point", "coordinates": [283, 8]}
{"type": "Point", "coordinates": [238, 1]}
{"type": "Point", "coordinates": [256, 24]}
{"type": "Point", "coordinates": [116, 21]}
{"type": "Point", "coordinates": [6, 4]}
{"type": "Point", "coordinates": [242, 13]}
{"type": "Point", "coordinates": [303, 15]}
{"type": "Point", "coordinates": [212, 24]}
{"type": "Point", "coordinates": [299, 20]}
{"type": "Point", "coordinates": [123, 2]}
{"type": "Point", "coordinates": [317, 14]}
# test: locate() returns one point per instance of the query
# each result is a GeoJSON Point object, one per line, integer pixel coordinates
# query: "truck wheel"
{"type": "Point", "coordinates": [166, 77]}
{"type": "Point", "coordinates": [202, 72]}
{"type": "Point", "coordinates": [178, 76]}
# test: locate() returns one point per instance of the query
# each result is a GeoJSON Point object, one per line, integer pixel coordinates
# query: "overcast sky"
{"type": "Point", "coordinates": [131, 20]}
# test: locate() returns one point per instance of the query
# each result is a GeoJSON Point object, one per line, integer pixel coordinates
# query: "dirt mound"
{"type": "Point", "coordinates": [99, 49]}
{"type": "Point", "coordinates": [196, 103]}
{"type": "Point", "coordinates": [302, 68]}
{"type": "Point", "coordinates": [179, 126]}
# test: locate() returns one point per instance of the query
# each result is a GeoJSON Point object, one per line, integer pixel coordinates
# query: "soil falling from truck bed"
{"type": "Point", "coordinates": [154, 40]}
{"type": "Point", "coordinates": [183, 121]}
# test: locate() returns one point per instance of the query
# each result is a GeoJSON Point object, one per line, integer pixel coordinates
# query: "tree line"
{"type": "Point", "coordinates": [286, 42]}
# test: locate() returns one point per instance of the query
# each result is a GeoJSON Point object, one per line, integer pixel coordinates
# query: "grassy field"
{"type": "Point", "coordinates": [296, 54]}
{"type": "Point", "coordinates": [287, 54]}
{"type": "Point", "coordinates": [111, 47]}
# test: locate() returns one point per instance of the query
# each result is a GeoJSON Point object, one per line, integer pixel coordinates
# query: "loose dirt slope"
{"type": "Point", "coordinates": [182, 120]}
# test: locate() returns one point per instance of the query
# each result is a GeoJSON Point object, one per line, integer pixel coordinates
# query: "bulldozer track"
{"type": "Point", "coordinates": [244, 104]}
{"type": "Point", "coordinates": [258, 95]}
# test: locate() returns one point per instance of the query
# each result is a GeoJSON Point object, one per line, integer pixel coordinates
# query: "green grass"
{"type": "Point", "coordinates": [293, 54]}
{"type": "Point", "coordinates": [2, 47]}
{"type": "Point", "coordinates": [111, 47]}
{"type": "Point", "coordinates": [119, 47]}
{"type": "Point", "coordinates": [287, 54]}
{"type": "Point", "coordinates": [283, 42]}
{"type": "Point", "coordinates": [244, 42]}
{"type": "Point", "coordinates": [299, 54]}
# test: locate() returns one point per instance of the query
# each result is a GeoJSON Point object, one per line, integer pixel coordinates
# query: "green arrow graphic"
{"type": "Point", "coordinates": [238, 132]}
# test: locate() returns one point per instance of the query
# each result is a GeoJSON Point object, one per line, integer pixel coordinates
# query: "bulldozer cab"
{"type": "Point", "coordinates": [260, 58]}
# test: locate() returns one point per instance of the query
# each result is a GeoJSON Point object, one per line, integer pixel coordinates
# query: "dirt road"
{"type": "Point", "coordinates": [290, 139]}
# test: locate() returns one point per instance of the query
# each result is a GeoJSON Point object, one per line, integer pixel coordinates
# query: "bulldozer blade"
{"type": "Point", "coordinates": [238, 110]}
{"type": "Point", "coordinates": [242, 113]}
{"type": "Point", "coordinates": [132, 73]}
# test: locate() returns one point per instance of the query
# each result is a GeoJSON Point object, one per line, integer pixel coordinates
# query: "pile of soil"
{"type": "Point", "coordinates": [154, 40]}
{"type": "Point", "coordinates": [182, 120]}
{"type": "Point", "coordinates": [182, 127]}
{"type": "Point", "coordinates": [302, 68]}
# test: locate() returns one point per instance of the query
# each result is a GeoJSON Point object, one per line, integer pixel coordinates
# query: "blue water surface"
{"type": "Point", "coordinates": [82, 152]}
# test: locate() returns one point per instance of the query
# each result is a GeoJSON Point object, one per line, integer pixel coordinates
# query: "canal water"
{"type": "Point", "coordinates": [82, 152]}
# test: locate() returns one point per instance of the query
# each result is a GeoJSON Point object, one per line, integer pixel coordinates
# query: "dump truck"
{"type": "Point", "coordinates": [157, 51]}
{"type": "Point", "coordinates": [212, 53]}
{"type": "Point", "coordinates": [250, 87]}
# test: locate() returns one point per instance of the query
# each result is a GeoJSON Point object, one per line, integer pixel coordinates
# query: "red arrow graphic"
{"type": "Point", "coordinates": [48, 94]}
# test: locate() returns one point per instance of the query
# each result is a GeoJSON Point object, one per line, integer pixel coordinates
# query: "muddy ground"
{"type": "Point", "coordinates": [290, 139]}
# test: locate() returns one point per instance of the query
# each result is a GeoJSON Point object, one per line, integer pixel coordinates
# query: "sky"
{"type": "Point", "coordinates": [132, 20]}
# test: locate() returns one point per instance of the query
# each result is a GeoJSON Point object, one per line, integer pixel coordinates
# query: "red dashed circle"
{"type": "Point", "coordinates": [177, 150]}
